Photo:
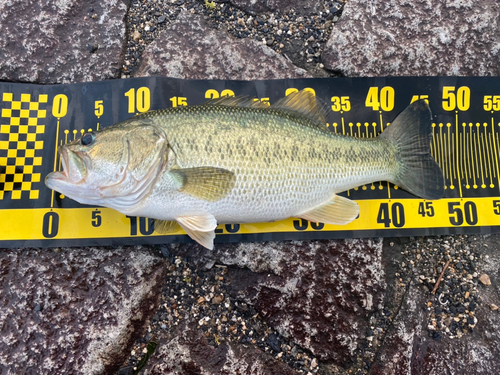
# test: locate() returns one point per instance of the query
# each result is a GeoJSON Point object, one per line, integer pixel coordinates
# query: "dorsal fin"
{"type": "Point", "coordinates": [302, 102]}
{"type": "Point", "coordinates": [305, 103]}
{"type": "Point", "coordinates": [237, 101]}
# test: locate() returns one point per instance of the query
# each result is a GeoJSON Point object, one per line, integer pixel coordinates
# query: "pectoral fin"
{"type": "Point", "coordinates": [338, 211]}
{"type": "Point", "coordinates": [200, 228]}
{"type": "Point", "coordinates": [207, 183]}
{"type": "Point", "coordinates": [165, 227]}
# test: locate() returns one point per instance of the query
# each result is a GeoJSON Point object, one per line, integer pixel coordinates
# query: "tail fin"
{"type": "Point", "coordinates": [411, 133]}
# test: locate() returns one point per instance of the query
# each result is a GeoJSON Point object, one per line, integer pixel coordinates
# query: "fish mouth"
{"type": "Point", "coordinates": [73, 170]}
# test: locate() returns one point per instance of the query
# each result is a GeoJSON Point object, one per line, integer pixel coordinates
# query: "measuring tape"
{"type": "Point", "coordinates": [35, 120]}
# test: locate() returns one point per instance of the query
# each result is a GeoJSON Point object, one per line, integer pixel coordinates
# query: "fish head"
{"type": "Point", "coordinates": [115, 167]}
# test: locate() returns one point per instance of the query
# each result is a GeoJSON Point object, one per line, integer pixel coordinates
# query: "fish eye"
{"type": "Point", "coordinates": [87, 139]}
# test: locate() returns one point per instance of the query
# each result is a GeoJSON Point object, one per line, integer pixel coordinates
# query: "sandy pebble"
{"type": "Point", "coordinates": [485, 279]}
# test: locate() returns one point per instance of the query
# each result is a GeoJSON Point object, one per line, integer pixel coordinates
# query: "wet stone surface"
{"type": "Point", "coordinates": [306, 303]}
{"type": "Point", "coordinates": [197, 308]}
{"type": "Point", "coordinates": [187, 351]}
{"type": "Point", "coordinates": [407, 37]}
{"type": "Point", "coordinates": [298, 37]}
{"type": "Point", "coordinates": [281, 292]}
{"type": "Point", "coordinates": [321, 297]}
{"type": "Point", "coordinates": [452, 305]}
{"type": "Point", "coordinates": [203, 53]}
{"type": "Point", "coordinates": [449, 332]}
{"type": "Point", "coordinates": [61, 41]}
{"type": "Point", "coordinates": [76, 310]}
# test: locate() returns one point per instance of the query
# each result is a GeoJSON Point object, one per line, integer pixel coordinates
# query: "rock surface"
{"type": "Point", "coordinates": [77, 311]}
{"type": "Point", "coordinates": [407, 37]}
{"type": "Point", "coordinates": [324, 307]}
{"type": "Point", "coordinates": [319, 294]}
{"type": "Point", "coordinates": [186, 351]}
{"type": "Point", "coordinates": [61, 41]}
{"type": "Point", "coordinates": [190, 49]}
{"type": "Point", "coordinates": [409, 348]}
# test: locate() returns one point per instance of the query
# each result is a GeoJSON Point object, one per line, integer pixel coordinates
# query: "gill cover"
{"type": "Point", "coordinates": [144, 156]}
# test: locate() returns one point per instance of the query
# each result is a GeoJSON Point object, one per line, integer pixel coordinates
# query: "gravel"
{"type": "Point", "coordinates": [192, 295]}
{"type": "Point", "coordinates": [284, 33]}
{"type": "Point", "coordinates": [201, 296]}
{"type": "Point", "coordinates": [452, 307]}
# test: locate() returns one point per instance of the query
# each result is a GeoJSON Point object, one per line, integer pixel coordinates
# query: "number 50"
{"type": "Point", "coordinates": [451, 100]}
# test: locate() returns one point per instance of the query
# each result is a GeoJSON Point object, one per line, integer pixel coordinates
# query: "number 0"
{"type": "Point", "coordinates": [60, 106]}
{"type": "Point", "coordinates": [50, 226]}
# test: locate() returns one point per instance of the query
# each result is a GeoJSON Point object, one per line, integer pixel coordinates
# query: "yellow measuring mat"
{"type": "Point", "coordinates": [36, 120]}
{"type": "Point", "coordinates": [21, 145]}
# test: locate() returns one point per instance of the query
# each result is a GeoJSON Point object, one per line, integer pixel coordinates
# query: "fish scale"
{"type": "Point", "coordinates": [234, 160]}
{"type": "Point", "coordinates": [281, 163]}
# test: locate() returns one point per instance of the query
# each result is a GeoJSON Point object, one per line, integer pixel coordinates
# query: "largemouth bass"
{"type": "Point", "coordinates": [236, 160]}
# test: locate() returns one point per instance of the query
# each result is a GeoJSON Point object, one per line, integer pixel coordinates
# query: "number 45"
{"type": "Point", "coordinates": [418, 97]}
{"type": "Point", "coordinates": [426, 209]}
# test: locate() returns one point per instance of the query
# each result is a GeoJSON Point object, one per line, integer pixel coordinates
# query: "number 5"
{"type": "Point", "coordinates": [496, 207]}
{"type": "Point", "coordinates": [99, 108]}
{"type": "Point", "coordinates": [96, 218]}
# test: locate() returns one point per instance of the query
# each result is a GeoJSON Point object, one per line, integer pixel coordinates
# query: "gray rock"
{"type": "Point", "coordinates": [53, 41]}
{"type": "Point", "coordinates": [282, 6]}
{"type": "Point", "coordinates": [312, 292]}
{"type": "Point", "coordinates": [186, 351]}
{"type": "Point", "coordinates": [77, 311]}
{"type": "Point", "coordinates": [394, 37]}
{"type": "Point", "coordinates": [408, 349]}
{"type": "Point", "coordinates": [191, 49]}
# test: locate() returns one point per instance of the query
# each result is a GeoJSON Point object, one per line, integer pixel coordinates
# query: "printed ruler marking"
{"type": "Point", "coordinates": [55, 160]}
{"type": "Point", "coordinates": [467, 152]}
{"type": "Point", "coordinates": [458, 153]}
{"type": "Point", "coordinates": [495, 150]}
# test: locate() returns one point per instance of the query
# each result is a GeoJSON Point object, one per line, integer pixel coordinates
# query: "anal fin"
{"type": "Point", "coordinates": [200, 228]}
{"type": "Point", "coordinates": [338, 211]}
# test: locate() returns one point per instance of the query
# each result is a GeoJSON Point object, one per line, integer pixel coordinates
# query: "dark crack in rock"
{"type": "Point", "coordinates": [394, 37]}
{"type": "Point", "coordinates": [318, 294]}
{"type": "Point", "coordinates": [77, 311]}
{"type": "Point", "coordinates": [52, 41]}
{"type": "Point", "coordinates": [200, 302]}
{"type": "Point", "coordinates": [186, 351]}
{"type": "Point", "coordinates": [190, 49]}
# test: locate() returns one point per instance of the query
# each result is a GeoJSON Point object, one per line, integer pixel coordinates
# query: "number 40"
{"type": "Point", "coordinates": [393, 214]}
